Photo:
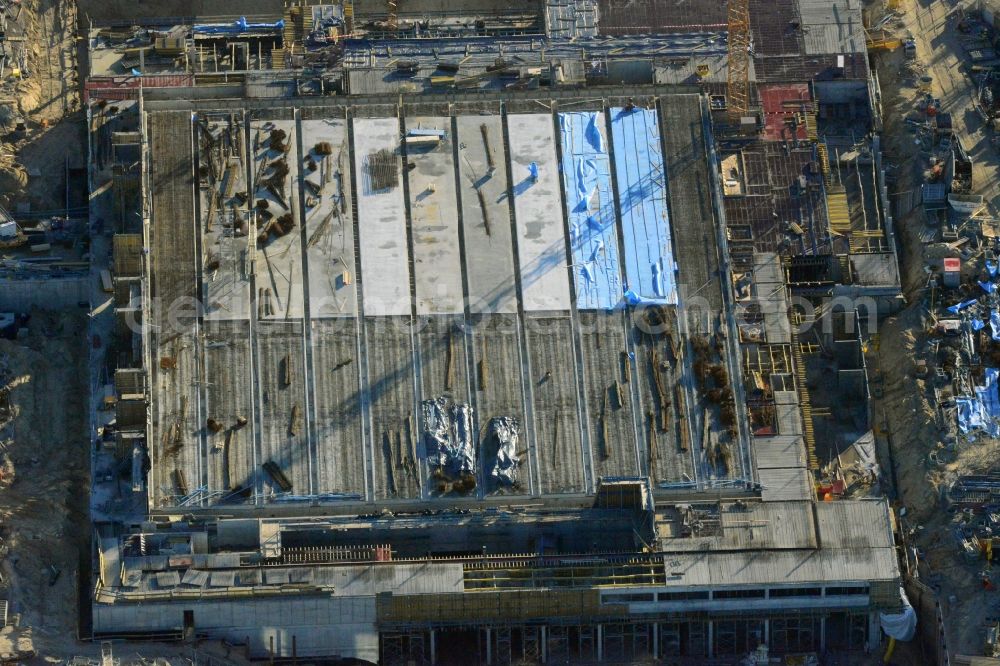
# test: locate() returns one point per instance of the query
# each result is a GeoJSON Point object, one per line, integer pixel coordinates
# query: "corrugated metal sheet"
{"type": "Point", "coordinates": [756, 526]}
{"type": "Point", "coordinates": [789, 418]}
{"type": "Point", "coordinates": [823, 566]}
{"type": "Point", "coordinates": [854, 524]}
{"type": "Point", "coordinates": [876, 270]}
{"type": "Point", "coordinates": [127, 87]}
{"type": "Point", "coordinates": [778, 485]}
{"type": "Point", "coordinates": [675, 71]}
{"type": "Point", "coordinates": [781, 452]}
{"type": "Point", "coordinates": [769, 292]}
{"type": "Point", "coordinates": [267, 87]}
{"type": "Point", "coordinates": [832, 26]}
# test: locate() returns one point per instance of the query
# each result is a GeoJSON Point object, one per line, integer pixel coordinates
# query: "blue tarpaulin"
{"type": "Point", "coordinates": [594, 136]}
{"type": "Point", "coordinates": [586, 179]}
{"type": "Point", "coordinates": [958, 307]}
{"type": "Point", "coordinates": [995, 325]}
{"type": "Point", "coordinates": [633, 298]}
{"type": "Point", "coordinates": [981, 412]}
{"type": "Point", "coordinates": [237, 27]}
{"type": "Point", "coordinates": [991, 268]}
{"type": "Point", "coordinates": [648, 249]}
{"type": "Point", "coordinates": [533, 170]}
{"type": "Point", "coordinates": [977, 324]}
{"type": "Point", "coordinates": [988, 287]}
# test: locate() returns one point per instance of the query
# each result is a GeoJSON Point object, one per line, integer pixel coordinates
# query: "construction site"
{"type": "Point", "coordinates": [498, 334]}
{"type": "Point", "coordinates": [404, 367]}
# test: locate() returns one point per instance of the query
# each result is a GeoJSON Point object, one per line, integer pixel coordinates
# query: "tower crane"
{"type": "Point", "coordinates": [738, 82]}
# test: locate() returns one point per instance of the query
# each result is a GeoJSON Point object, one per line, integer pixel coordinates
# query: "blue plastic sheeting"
{"type": "Point", "coordinates": [991, 266]}
{"type": "Point", "coordinates": [439, 133]}
{"type": "Point", "coordinates": [988, 287]}
{"type": "Point", "coordinates": [648, 249]}
{"type": "Point", "coordinates": [958, 307]}
{"type": "Point", "coordinates": [995, 325]}
{"type": "Point", "coordinates": [977, 324]}
{"type": "Point", "coordinates": [586, 172]}
{"type": "Point", "coordinates": [237, 27]}
{"type": "Point", "coordinates": [981, 412]}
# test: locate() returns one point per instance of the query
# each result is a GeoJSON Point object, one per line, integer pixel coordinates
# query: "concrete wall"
{"type": "Point", "coordinates": [318, 625]}
{"type": "Point", "coordinates": [124, 11]}
{"type": "Point", "coordinates": [49, 294]}
{"type": "Point", "coordinates": [843, 92]}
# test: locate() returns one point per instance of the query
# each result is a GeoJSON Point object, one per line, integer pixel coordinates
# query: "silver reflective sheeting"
{"type": "Point", "coordinates": [506, 430]}
{"type": "Point", "coordinates": [448, 435]}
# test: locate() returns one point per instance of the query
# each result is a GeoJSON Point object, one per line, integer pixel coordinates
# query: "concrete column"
{"type": "Point", "coordinates": [489, 647]}
{"type": "Point", "coordinates": [874, 638]}
{"type": "Point", "coordinates": [544, 643]}
{"type": "Point", "coordinates": [822, 634]}
{"type": "Point", "coordinates": [767, 632]}
{"type": "Point", "coordinates": [433, 647]}
{"type": "Point", "coordinates": [656, 641]}
{"type": "Point", "coordinates": [600, 643]}
{"type": "Point", "coordinates": [711, 640]}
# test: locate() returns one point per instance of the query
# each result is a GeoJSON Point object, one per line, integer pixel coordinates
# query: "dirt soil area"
{"type": "Point", "coordinates": [46, 98]}
{"type": "Point", "coordinates": [44, 478]}
{"type": "Point", "coordinates": [906, 414]}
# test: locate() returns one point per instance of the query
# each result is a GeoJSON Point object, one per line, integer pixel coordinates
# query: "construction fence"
{"type": "Point", "coordinates": [930, 624]}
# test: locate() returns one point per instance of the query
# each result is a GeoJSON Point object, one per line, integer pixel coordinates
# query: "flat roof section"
{"type": "Point", "coordinates": [231, 454]}
{"type": "Point", "coordinates": [593, 230]}
{"type": "Point", "coordinates": [444, 375]}
{"type": "Point", "coordinates": [781, 463]}
{"type": "Point", "coordinates": [437, 263]}
{"type": "Point", "coordinates": [176, 433]}
{"type": "Point", "coordinates": [541, 237]}
{"type": "Point", "coordinates": [489, 251]}
{"type": "Point", "coordinates": [563, 464]}
{"type": "Point", "coordinates": [329, 229]}
{"type": "Point", "coordinates": [496, 356]}
{"type": "Point", "coordinates": [284, 437]}
{"type": "Point", "coordinates": [642, 17]}
{"type": "Point", "coordinates": [341, 460]}
{"type": "Point", "coordinates": [172, 226]}
{"type": "Point", "coordinates": [225, 239]}
{"type": "Point", "coordinates": [279, 240]}
{"type": "Point", "coordinates": [657, 374]}
{"type": "Point", "coordinates": [614, 447]}
{"type": "Point", "coordinates": [695, 240]}
{"type": "Point", "coordinates": [385, 265]}
{"type": "Point", "coordinates": [648, 251]}
{"type": "Point", "coordinates": [397, 464]}
{"type": "Point", "coordinates": [175, 446]}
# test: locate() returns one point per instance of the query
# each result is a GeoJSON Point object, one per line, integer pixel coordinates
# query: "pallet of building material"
{"type": "Point", "coordinates": [180, 480]}
{"type": "Point", "coordinates": [286, 370]}
{"type": "Point", "coordinates": [685, 436]}
{"type": "Point", "coordinates": [277, 475]}
{"type": "Point", "coordinates": [276, 141]}
{"type": "Point", "coordinates": [321, 228]}
{"type": "Point", "coordinates": [485, 131]}
{"type": "Point", "coordinates": [382, 169]}
{"type": "Point", "coordinates": [294, 421]}
{"type": "Point", "coordinates": [651, 429]}
{"type": "Point", "coordinates": [484, 210]}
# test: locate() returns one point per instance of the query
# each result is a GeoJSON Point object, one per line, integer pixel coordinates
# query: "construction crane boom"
{"type": "Point", "coordinates": [738, 82]}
